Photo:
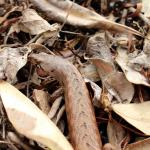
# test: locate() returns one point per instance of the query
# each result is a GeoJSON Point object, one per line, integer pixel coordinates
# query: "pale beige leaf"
{"type": "Point", "coordinates": [33, 23]}
{"type": "Point", "coordinates": [89, 71]}
{"type": "Point", "coordinates": [140, 145]}
{"type": "Point", "coordinates": [74, 14]}
{"type": "Point", "coordinates": [29, 120]}
{"type": "Point", "coordinates": [108, 146]}
{"type": "Point", "coordinates": [17, 140]}
{"type": "Point", "coordinates": [97, 92]}
{"type": "Point", "coordinates": [146, 46]}
{"type": "Point", "coordinates": [132, 75]}
{"type": "Point", "coordinates": [55, 107]}
{"type": "Point", "coordinates": [41, 98]}
{"type": "Point", "coordinates": [139, 61]}
{"type": "Point", "coordinates": [11, 60]}
{"type": "Point", "coordinates": [146, 8]}
{"type": "Point", "coordinates": [60, 114]}
{"type": "Point", "coordinates": [137, 115]}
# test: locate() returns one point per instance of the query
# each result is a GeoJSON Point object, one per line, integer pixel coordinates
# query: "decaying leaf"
{"type": "Point", "coordinates": [11, 60]}
{"type": "Point", "coordinates": [89, 71]}
{"type": "Point", "coordinates": [41, 98]}
{"type": "Point", "coordinates": [106, 99]}
{"type": "Point", "coordinates": [74, 14]}
{"type": "Point", "coordinates": [118, 85]}
{"type": "Point", "coordinates": [116, 134]}
{"type": "Point", "coordinates": [140, 61]}
{"type": "Point", "coordinates": [146, 46]}
{"type": "Point", "coordinates": [60, 113]}
{"type": "Point", "coordinates": [115, 81]}
{"type": "Point", "coordinates": [55, 107]}
{"type": "Point", "coordinates": [140, 145]}
{"type": "Point", "coordinates": [32, 23]}
{"type": "Point", "coordinates": [48, 36]}
{"type": "Point", "coordinates": [97, 92]}
{"type": "Point", "coordinates": [146, 8]}
{"type": "Point", "coordinates": [29, 120]}
{"type": "Point", "coordinates": [137, 115]}
{"type": "Point", "coordinates": [16, 140]}
{"type": "Point", "coordinates": [108, 146]}
{"type": "Point", "coordinates": [132, 75]}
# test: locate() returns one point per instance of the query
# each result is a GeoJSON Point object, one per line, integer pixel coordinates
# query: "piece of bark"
{"type": "Point", "coordinates": [76, 15]}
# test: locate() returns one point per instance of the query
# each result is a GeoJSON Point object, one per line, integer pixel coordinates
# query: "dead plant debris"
{"type": "Point", "coordinates": [74, 75]}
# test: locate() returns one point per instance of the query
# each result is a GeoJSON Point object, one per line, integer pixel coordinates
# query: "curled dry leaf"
{"type": "Point", "coordinates": [60, 113]}
{"type": "Point", "coordinates": [29, 120]}
{"type": "Point", "coordinates": [106, 99]}
{"type": "Point", "coordinates": [48, 36]}
{"type": "Point", "coordinates": [115, 133]}
{"type": "Point", "coordinates": [140, 61]}
{"type": "Point", "coordinates": [55, 107]}
{"type": "Point", "coordinates": [115, 81]}
{"type": "Point", "coordinates": [146, 46]}
{"type": "Point", "coordinates": [118, 85]}
{"type": "Point", "coordinates": [32, 23]}
{"type": "Point", "coordinates": [97, 92]}
{"type": "Point", "coordinates": [140, 145]}
{"type": "Point", "coordinates": [16, 140]}
{"type": "Point", "coordinates": [57, 93]}
{"type": "Point", "coordinates": [108, 146]}
{"type": "Point", "coordinates": [41, 98]}
{"type": "Point", "coordinates": [132, 75]}
{"type": "Point", "coordinates": [77, 15]}
{"type": "Point", "coordinates": [11, 60]}
{"type": "Point", "coordinates": [137, 115]}
{"type": "Point", "coordinates": [89, 71]}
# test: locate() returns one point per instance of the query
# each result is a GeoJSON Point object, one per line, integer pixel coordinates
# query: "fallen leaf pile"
{"type": "Point", "coordinates": [74, 75]}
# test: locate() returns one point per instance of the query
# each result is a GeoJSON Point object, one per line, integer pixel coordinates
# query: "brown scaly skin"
{"type": "Point", "coordinates": [83, 129]}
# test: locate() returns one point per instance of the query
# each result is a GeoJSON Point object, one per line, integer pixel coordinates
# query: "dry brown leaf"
{"type": "Point", "coordinates": [11, 60]}
{"type": "Point", "coordinates": [146, 46]}
{"type": "Point", "coordinates": [106, 99]}
{"type": "Point", "coordinates": [55, 107]}
{"type": "Point", "coordinates": [115, 82]}
{"type": "Point", "coordinates": [41, 97]}
{"type": "Point", "coordinates": [74, 14]}
{"type": "Point", "coordinates": [2, 2]}
{"type": "Point", "coordinates": [137, 115]}
{"type": "Point", "coordinates": [97, 92]}
{"type": "Point", "coordinates": [140, 145]}
{"type": "Point", "coordinates": [32, 23]}
{"type": "Point", "coordinates": [108, 146]}
{"type": "Point", "coordinates": [49, 36]}
{"type": "Point", "coordinates": [140, 61]}
{"type": "Point", "coordinates": [29, 120]}
{"type": "Point", "coordinates": [16, 140]}
{"type": "Point", "coordinates": [89, 71]}
{"type": "Point", "coordinates": [132, 75]}
{"type": "Point", "coordinates": [60, 113]}
{"type": "Point", "coordinates": [115, 133]}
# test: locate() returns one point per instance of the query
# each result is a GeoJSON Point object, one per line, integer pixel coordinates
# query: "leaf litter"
{"type": "Point", "coordinates": [108, 44]}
